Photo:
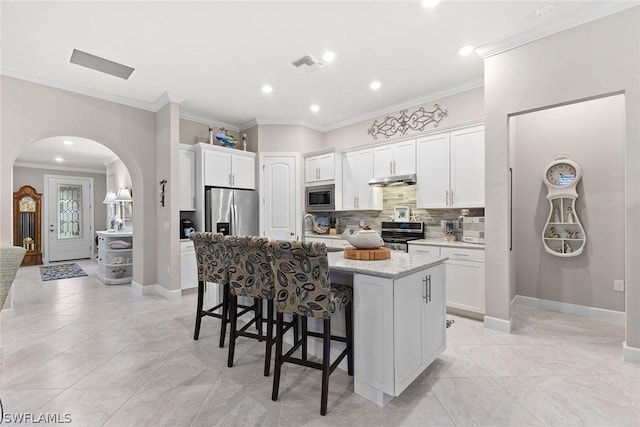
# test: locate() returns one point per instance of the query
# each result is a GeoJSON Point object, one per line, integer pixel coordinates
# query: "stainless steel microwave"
{"type": "Point", "coordinates": [320, 198]}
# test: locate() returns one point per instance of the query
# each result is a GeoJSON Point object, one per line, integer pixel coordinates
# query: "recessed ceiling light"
{"type": "Point", "coordinates": [314, 108]}
{"type": "Point", "coordinates": [59, 159]}
{"type": "Point", "coordinates": [329, 56]}
{"type": "Point", "coordinates": [375, 85]}
{"type": "Point", "coordinates": [466, 49]}
{"type": "Point", "coordinates": [430, 3]}
{"type": "Point", "coordinates": [267, 89]}
{"type": "Point", "coordinates": [67, 142]}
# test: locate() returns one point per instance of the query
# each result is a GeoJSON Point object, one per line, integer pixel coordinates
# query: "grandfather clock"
{"type": "Point", "coordinates": [27, 225]}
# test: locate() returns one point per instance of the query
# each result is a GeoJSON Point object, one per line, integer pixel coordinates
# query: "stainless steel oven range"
{"type": "Point", "coordinates": [397, 234]}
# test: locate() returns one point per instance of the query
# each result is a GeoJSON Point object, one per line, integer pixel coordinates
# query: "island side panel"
{"type": "Point", "coordinates": [373, 338]}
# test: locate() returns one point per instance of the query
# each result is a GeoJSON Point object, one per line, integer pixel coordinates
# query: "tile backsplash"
{"type": "Point", "coordinates": [401, 196]}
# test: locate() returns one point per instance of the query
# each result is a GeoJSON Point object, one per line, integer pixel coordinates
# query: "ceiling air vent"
{"type": "Point", "coordinates": [97, 63]}
{"type": "Point", "coordinates": [307, 63]}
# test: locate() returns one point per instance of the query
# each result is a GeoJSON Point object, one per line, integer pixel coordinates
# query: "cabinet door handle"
{"type": "Point", "coordinates": [429, 283]}
{"type": "Point", "coordinates": [354, 202]}
{"type": "Point", "coordinates": [230, 180]}
{"type": "Point", "coordinates": [394, 167]}
{"type": "Point", "coordinates": [425, 293]}
{"type": "Point", "coordinates": [446, 198]}
{"type": "Point", "coordinates": [358, 200]}
{"type": "Point", "coordinates": [452, 202]}
{"type": "Point", "coordinates": [390, 167]}
{"type": "Point", "coordinates": [462, 255]}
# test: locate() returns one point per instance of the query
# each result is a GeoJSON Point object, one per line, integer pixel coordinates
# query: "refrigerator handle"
{"type": "Point", "coordinates": [234, 220]}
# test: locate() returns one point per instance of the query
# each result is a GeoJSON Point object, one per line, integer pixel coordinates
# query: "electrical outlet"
{"type": "Point", "coordinates": [618, 285]}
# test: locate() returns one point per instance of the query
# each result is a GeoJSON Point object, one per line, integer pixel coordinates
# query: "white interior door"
{"type": "Point", "coordinates": [279, 195]}
{"type": "Point", "coordinates": [69, 218]}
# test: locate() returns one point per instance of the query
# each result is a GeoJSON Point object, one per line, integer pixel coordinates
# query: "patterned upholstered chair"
{"type": "Point", "coordinates": [211, 259]}
{"type": "Point", "coordinates": [303, 287]}
{"type": "Point", "coordinates": [251, 275]}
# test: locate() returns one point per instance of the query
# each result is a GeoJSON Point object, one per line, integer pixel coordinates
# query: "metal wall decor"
{"type": "Point", "coordinates": [416, 121]}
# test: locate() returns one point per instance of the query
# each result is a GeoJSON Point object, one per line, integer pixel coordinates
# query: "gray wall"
{"type": "Point", "coordinates": [31, 112]}
{"type": "Point", "coordinates": [593, 134]}
{"type": "Point", "coordinates": [35, 178]}
{"type": "Point", "coordinates": [601, 57]}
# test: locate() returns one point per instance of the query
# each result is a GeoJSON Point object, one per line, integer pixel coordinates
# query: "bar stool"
{"type": "Point", "coordinates": [211, 259]}
{"type": "Point", "coordinates": [302, 287]}
{"type": "Point", "coordinates": [251, 275]}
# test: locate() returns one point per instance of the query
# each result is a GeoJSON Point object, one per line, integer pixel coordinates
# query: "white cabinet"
{"type": "Point", "coordinates": [450, 169]}
{"type": "Point", "coordinates": [115, 257]}
{"type": "Point", "coordinates": [187, 176]}
{"type": "Point", "coordinates": [330, 242]}
{"type": "Point", "coordinates": [464, 275]}
{"type": "Point", "coordinates": [188, 267]}
{"type": "Point", "coordinates": [357, 170]}
{"type": "Point", "coordinates": [320, 168]}
{"type": "Point", "coordinates": [398, 158]}
{"type": "Point", "coordinates": [226, 167]}
{"type": "Point", "coordinates": [419, 319]}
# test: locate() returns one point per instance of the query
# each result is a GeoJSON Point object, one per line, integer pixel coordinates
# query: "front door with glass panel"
{"type": "Point", "coordinates": [69, 218]}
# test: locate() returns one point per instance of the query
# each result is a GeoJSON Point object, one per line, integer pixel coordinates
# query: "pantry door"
{"type": "Point", "coordinates": [68, 218]}
{"type": "Point", "coordinates": [280, 210]}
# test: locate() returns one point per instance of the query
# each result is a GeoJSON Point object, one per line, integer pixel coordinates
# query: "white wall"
{"type": "Point", "coordinates": [601, 57]}
{"type": "Point", "coordinates": [592, 133]}
{"type": "Point", "coordinates": [274, 138]}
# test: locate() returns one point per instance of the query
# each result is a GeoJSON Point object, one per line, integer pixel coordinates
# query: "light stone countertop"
{"type": "Point", "coordinates": [399, 265]}
{"type": "Point", "coordinates": [438, 241]}
{"type": "Point", "coordinates": [323, 236]}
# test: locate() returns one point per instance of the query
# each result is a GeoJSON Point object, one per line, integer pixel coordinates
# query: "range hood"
{"type": "Point", "coordinates": [394, 180]}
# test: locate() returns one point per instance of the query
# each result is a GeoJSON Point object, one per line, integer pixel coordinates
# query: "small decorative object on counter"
{"type": "Point", "coordinates": [211, 135]}
{"type": "Point", "coordinates": [363, 239]}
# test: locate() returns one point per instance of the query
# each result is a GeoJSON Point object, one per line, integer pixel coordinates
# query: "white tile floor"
{"type": "Point", "coordinates": [107, 357]}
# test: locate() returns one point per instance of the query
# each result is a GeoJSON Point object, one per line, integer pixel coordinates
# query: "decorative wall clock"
{"type": "Point", "coordinates": [563, 234]}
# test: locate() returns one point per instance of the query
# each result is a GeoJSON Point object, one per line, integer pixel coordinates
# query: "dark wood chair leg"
{"type": "Point", "coordinates": [267, 353]}
{"type": "Point", "coordinates": [303, 322]}
{"type": "Point", "coordinates": [233, 317]}
{"type": "Point", "coordinates": [258, 314]}
{"type": "Point", "coordinates": [296, 329]}
{"type": "Point", "coordinates": [326, 365]}
{"type": "Point", "coordinates": [225, 314]}
{"type": "Point", "coordinates": [348, 320]}
{"type": "Point", "coordinates": [196, 333]}
{"type": "Point", "coordinates": [278, 362]}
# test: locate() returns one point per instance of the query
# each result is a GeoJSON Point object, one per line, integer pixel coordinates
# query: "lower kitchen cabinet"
{"type": "Point", "coordinates": [188, 267]}
{"type": "Point", "coordinates": [419, 317]}
{"type": "Point", "coordinates": [464, 276]}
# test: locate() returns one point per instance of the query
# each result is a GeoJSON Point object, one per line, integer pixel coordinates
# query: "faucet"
{"type": "Point", "coordinates": [314, 224]}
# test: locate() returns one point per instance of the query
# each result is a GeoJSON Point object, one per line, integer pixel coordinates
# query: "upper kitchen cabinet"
{"type": "Point", "coordinates": [321, 167]}
{"type": "Point", "coordinates": [398, 158]}
{"type": "Point", "coordinates": [357, 169]}
{"type": "Point", "coordinates": [450, 170]}
{"type": "Point", "coordinates": [187, 170]}
{"type": "Point", "coordinates": [226, 167]}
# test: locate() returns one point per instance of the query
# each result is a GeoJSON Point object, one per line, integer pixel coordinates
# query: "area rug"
{"type": "Point", "coordinates": [61, 271]}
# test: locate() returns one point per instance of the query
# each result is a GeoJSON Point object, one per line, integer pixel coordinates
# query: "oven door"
{"type": "Point", "coordinates": [400, 247]}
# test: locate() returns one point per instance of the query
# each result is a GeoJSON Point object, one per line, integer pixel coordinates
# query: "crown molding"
{"type": "Point", "coordinates": [208, 121]}
{"type": "Point", "coordinates": [58, 167]}
{"type": "Point", "coordinates": [129, 102]}
{"type": "Point", "coordinates": [277, 122]}
{"type": "Point", "coordinates": [166, 98]}
{"type": "Point", "coordinates": [589, 14]}
{"type": "Point", "coordinates": [434, 96]}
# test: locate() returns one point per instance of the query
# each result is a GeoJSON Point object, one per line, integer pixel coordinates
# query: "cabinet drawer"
{"type": "Point", "coordinates": [422, 249]}
{"type": "Point", "coordinates": [186, 246]}
{"type": "Point", "coordinates": [463, 254]}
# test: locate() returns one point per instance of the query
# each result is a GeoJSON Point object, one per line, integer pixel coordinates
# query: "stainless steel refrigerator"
{"type": "Point", "coordinates": [231, 212]}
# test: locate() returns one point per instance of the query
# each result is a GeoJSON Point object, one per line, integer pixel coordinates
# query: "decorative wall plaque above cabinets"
{"type": "Point", "coordinates": [563, 234]}
{"type": "Point", "coordinates": [416, 121]}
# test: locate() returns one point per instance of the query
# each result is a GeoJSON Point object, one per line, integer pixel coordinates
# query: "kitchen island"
{"type": "Point", "coordinates": [399, 319]}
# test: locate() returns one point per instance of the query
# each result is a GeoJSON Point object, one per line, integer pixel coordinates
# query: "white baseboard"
{"type": "Point", "coordinates": [156, 289]}
{"type": "Point", "coordinates": [573, 309]}
{"type": "Point", "coordinates": [497, 324]}
{"type": "Point", "coordinates": [631, 354]}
